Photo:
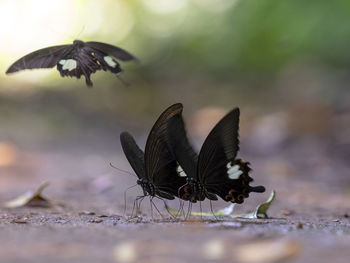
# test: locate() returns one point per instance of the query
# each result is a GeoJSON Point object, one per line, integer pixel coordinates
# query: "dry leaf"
{"type": "Point", "coordinates": [30, 199]}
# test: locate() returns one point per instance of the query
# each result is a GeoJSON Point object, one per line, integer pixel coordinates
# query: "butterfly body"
{"type": "Point", "coordinates": [156, 168]}
{"type": "Point", "coordinates": [215, 171]}
{"type": "Point", "coordinates": [80, 58]}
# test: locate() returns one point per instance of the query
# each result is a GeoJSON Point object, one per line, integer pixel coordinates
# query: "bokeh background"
{"type": "Point", "coordinates": [286, 64]}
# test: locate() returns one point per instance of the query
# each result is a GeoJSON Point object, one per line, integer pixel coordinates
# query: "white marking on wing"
{"type": "Point", "coordinates": [110, 61]}
{"type": "Point", "coordinates": [68, 64]}
{"type": "Point", "coordinates": [180, 171]}
{"type": "Point", "coordinates": [233, 172]}
{"type": "Point", "coordinates": [234, 175]}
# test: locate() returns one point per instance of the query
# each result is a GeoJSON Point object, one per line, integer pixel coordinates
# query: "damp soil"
{"type": "Point", "coordinates": [308, 222]}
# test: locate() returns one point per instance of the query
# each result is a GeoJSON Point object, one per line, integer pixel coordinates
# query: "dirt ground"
{"type": "Point", "coordinates": [309, 221]}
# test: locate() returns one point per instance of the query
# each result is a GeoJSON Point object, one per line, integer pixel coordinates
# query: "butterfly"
{"type": "Point", "coordinates": [215, 171]}
{"type": "Point", "coordinates": [157, 169]}
{"type": "Point", "coordinates": [75, 60]}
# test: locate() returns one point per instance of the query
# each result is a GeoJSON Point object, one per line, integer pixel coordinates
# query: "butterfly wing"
{"type": "Point", "coordinates": [133, 153]}
{"type": "Point", "coordinates": [42, 58]}
{"type": "Point", "coordinates": [221, 145]}
{"type": "Point", "coordinates": [181, 147]}
{"type": "Point", "coordinates": [111, 50]}
{"type": "Point", "coordinates": [160, 163]}
{"type": "Point", "coordinates": [218, 169]}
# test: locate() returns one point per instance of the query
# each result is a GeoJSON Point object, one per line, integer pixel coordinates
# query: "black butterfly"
{"type": "Point", "coordinates": [80, 58]}
{"type": "Point", "coordinates": [215, 171]}
{"type": "Point", "coordinates": [157, 170]}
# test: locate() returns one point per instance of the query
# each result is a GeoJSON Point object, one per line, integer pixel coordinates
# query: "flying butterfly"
{"type": "Point", "coordinates": [75, 60]}
{"type": "Point", "coordinates": [215, 171]}
{"type": "Point", "coordinates": [157, 169]}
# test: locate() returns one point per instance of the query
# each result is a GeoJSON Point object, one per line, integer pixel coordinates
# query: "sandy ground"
{"type": "Point", "coordinates": [309, 219]}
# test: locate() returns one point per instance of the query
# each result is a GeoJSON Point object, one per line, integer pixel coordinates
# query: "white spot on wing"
{"type": "Point", "coordinates": [68, 64]}
{"type": "Point", "coordinates": [234, 175]}
{"type": "Point", "coordinates": [233, 172]}
{"type": "Point", "coordinates": [180, 171]}
{"type": "Point", "coordinates": [110, 61]}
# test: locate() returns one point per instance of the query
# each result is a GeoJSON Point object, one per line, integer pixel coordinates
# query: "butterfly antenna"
{"type": "Point", "coordinates": [125, 84]}
{"type": "Point", "coordinates": [125, 198]}
{"type": "Point", "coordinates": [121, 170]}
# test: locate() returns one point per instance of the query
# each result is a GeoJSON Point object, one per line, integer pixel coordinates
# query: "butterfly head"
{"type": "Point", "coordinates": [78, 43]}
{"type": "Point", "coordinates": [147, 187]}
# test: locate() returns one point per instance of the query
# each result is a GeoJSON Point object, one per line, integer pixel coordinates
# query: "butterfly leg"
{"type": "Point", "coordinates": [139, 205]}
{"type": "Point", "coordinates": [167, 208]}
{"type": "Point", "coordinates": [157, 207]}
{"type": "Point", "coordinates": [211, 209]}
{"type": "Point", "coordinates": [150, 201]}
{"type": "Point", "coordinates": [181, 208]}
{"type": "Point", "coordinates": [189, 209]}
{"type": "Point", "coordinates": [125, 198]}
{"type": "Point", "coordinates": [136, 206]}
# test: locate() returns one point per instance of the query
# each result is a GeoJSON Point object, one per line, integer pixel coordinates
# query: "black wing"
{"type": "Point", "coordinates": [160, 163]}
{"type": "Point", "coordinates": [133, 153]}
{"type": "Point", "coordinates": [111, 50]}
{"type": "Point", "coordinates": [220, 146]}
{"type": "Point", "coordinates": [42, 58]}
{"type": "Point", "coordinates": [181, 147]}
{"type": "Point", "coordinates": [218, 170]}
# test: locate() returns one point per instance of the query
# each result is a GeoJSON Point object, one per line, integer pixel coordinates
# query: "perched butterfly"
{"type": "Point", "coordinates": [156, 168]}
{"type": "Point", "coordinates": [80, 58]}
{"type": "Point", "coordinates": [215, 171]}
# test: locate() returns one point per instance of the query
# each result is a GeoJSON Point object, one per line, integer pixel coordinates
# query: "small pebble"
{"type": "Point", "coordinates": [299, 226]}
{"type": "Point", "coordinates": [87, 213]}
{"type": "Point", "coordinates": [97, 221]}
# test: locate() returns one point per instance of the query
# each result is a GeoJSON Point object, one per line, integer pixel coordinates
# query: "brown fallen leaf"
{"type": "Point", "coordinates": [31, 199]}
{"type": "Point", "coordinates": [268, 251]}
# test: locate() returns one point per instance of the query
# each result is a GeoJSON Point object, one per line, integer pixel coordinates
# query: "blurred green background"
{"type": "Point", "coordinates": [284, 63]}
